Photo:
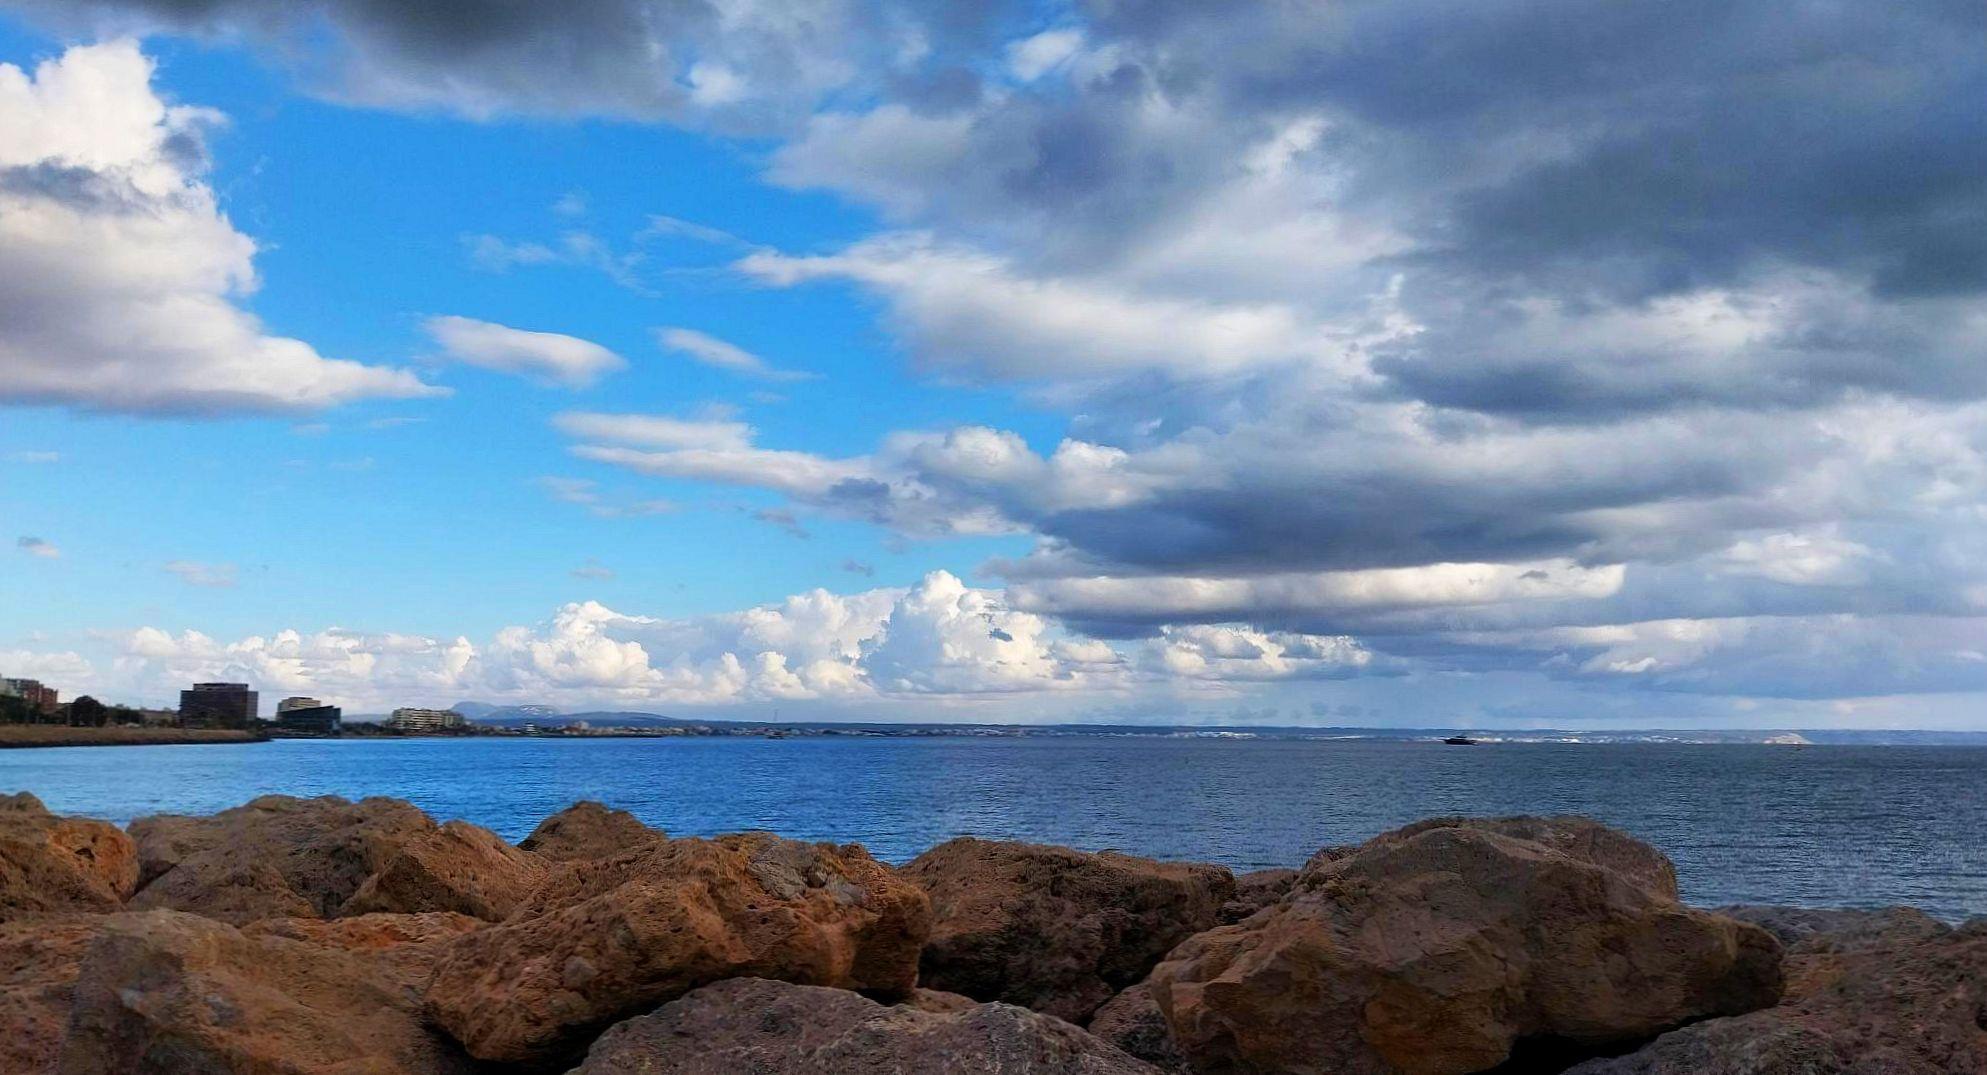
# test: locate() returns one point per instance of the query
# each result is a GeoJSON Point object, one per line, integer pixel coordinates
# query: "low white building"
{"type": "Point", "coordinates": [409, 719]}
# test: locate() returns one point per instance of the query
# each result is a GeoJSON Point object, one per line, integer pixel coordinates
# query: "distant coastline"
{"type": "Point", "coordinates": [13, 736]}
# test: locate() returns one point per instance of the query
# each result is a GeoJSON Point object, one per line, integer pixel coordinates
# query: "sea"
{"type": "Point", "coordinates": [1822, 826]}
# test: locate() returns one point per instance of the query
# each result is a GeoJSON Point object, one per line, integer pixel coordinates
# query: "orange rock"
{"type": "Point", "coordinates": [774, 1028]}
{"type": "Point", "coordinates": [276, 857]}
{"type": "Point", "coordinates": [1437, 949]}
{"type": "Point", "coordinates": [459, 867]}
{"type": "Point", "coordinates": [1889, 992]}
{"type": "Point", "coordinates": [52, 863]}
{"type": "Point", "coordinates": [1053, 929]}
{"type": "Point", "coordinates": [589, 830]}
{"type": "Point", "coordinates": [39, 960]}
{"type": "Point", "coordinates": [167, 993]}
{"type": "Point", "coordinates": [406, 945]}
{"type": "Point", "coordinates": [605, 939]}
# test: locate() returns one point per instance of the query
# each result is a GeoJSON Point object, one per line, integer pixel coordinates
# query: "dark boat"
{"type": "Point", "coordinates": [1460, 741]}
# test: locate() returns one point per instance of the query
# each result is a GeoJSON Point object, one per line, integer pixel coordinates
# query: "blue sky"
{"type": "Point", "coordinates": [1318, 365]}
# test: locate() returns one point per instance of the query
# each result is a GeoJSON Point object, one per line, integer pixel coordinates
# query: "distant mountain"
{"type": "Point", "coordinates": [485, 712]}
{"type": "Point", "coordinates": [517, 716]}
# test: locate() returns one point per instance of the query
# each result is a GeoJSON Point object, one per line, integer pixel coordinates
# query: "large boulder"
{"type": "Point", "coordinates": [39, 960]}
{"type": "Point", "coordinates": [458, 867]}
{"type": "Point", "coordinates": [276, 857]}
{"type": "Point", "coordinates": [1052, 929]}
{"type": "Point", "coordinates": [605, 939]}
{"type": "Point", "coordinates": [1868, 993]}
{"type": "Point", "coordinates": [1438, 949]}
{"type": "Point", "coordinates": [589, 830]}
{"type": "Point", "coordinates": [774, 1028]}
{"type": "Point", "coordinates": [167, 993]}
{"type": "Point", "coordinates": [52, 863]}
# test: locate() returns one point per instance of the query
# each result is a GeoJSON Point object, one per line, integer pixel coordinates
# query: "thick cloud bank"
{"type": "Point", "coordinates": [118, 272]}
{"type": "Point", "coordinates": [1634, 346]}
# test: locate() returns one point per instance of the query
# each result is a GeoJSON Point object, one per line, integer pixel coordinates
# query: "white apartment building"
{"type": "Point", "coordinates": [408, 719]}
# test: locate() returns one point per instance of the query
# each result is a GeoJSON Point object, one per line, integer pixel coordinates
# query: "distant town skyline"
{"type": "Point", "coordinates": [1533, 364]}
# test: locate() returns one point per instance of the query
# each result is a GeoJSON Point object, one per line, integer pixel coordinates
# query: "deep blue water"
{"type": "Point", "coordinates": [1822, 826]}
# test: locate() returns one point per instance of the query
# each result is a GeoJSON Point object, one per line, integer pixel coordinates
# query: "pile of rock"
{"type": "Point", "coordinates": [321, 935]}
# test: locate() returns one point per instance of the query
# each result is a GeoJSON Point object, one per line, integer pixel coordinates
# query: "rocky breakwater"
{"type": "Point", "coordinates": [325, 936]}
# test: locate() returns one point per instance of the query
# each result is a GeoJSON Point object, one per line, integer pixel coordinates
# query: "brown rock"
{"type": "Point", "coordinates": [52, 863]}
{"type": "Point", "coordinates": [1581, 838]}
{"type": "Point", "coordinates": [938, 1001]}
{"type": "Point", "coordinates": [1052, 929]}
{"type": "Point", "coordinates": [1436, 950]}
{"type": "Point", "coordinates": [589, 830]}
{"type": "Point", "coordinates": [1807, 930]}
{"type": "Point", "coordinates": [404, 945]}
{"type": "Point", "coordinates": [459, 867]}
{"type": "Point", "coordinates": [773, 1028]}
{"type": "Point", "coordinates": [1133, 1022]}
{"type": "Point", "coordinates": [1255, 891]}
{"type": "Point", "coordinates": [39, 961]}
{"type": "Point", "coordinates": [1868, 993]}
{"type": "Point", "coordinates": [605, 939]}
{"type": "Point", "coordinates": [166, 993]}
{"type": "Point", "coordinates": [276, 857]}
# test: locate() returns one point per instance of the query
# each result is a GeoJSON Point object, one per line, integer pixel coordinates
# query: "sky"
{"type": "Point", "coordinates": [1515, 363]}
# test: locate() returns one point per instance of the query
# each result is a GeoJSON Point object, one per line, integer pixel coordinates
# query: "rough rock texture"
{"type": "Point", "coordinates": [1868, 993]}
{"type": "Point", "coordinates": [773, 1028]}
{"type": "Point", "coordinates": [459, 867]}
{"type": "Point", "coordinates": [1052, 929]}
{"type": "Point", "coordinates": [938, 1000]}
{"type": "Point", "coordinates": [39, 961]}
{"type": "Point", "coordinates": [1578, 837]}
{"type": "Point", "coordinates": [1133, 1022]}
{"type": "Point", "coordinates": [589, 830]}
{"type": "Point", "coordinates": [51, 863]}
{"type": "Point", "coordinates": [276, 857]}
{"type": "Point", "coordinates": [1807, 930]}
{"type": "Point", "coordinates": [407, 946]}
{"type": "Point", "coordinates": [1437, 949]}
{"type": "Point", "coordinates": [166, 993]}
{"type": "Point", "coordinates": [606, 939]}
{"type": "Point", "coordinates": [1255, 891]}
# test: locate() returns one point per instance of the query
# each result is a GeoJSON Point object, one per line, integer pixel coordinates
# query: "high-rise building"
{"type": "Point", "coordinates": [218, 705]}
{"type": "Point", "coordinates": [288, 704]}
{"type": "Point", "coordinates": [31, 690]}
{"type": "Point", "coordinates": [409, 719]}
{"type": "Point", "coordinates": [311, 720]}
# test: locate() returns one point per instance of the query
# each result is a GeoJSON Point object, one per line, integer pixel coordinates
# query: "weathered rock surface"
{"type": "Point", "coordinates": [774, 1028]}
{"type": "Point", "coordinates": [1052, 929]}
{"type": "Point", "coordinates": [167, 993]}
{"type": "Point", "coordinates": [39, 960]}
{"type": "Point", "coordinates": [589, 830]}
{"type": "Point", "coordinates": [276, 857]}
{"type": "Point", "coordinates": [1255, 891]}
{"type": "Point", "coordinates": [1438, 948]}
{"type": "Point", "coordinates": [405, 946]}
{"type": "Point", "coordinates": [606, 939]}
{"type": "Point", "coordinates": [53, 863]}
{"type": "Point", "coordinates": [1807, 930]}
{"type": "Point", "coordinates": [1133, 1022]}
{"type": "Point", "coordinates": [1868, 993]}
{"type": "Point", "coordinates": [459, 867]}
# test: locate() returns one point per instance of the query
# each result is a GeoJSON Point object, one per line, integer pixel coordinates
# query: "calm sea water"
{"type": "Point", "coordinates": [1822, 826]}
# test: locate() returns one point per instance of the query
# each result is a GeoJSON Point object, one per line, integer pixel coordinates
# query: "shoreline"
{"type": "Point", "coordinates": [290, 933]}
{"type": "Point", "coordinates": [31, 736]}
